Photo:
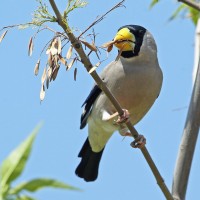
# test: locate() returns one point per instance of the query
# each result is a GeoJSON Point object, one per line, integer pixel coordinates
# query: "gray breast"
{"type": "Point", "coordinates": [135, 86]}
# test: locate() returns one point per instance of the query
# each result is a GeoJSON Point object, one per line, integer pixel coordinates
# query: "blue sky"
{"type": "Point", "coordinates": [123, 172]}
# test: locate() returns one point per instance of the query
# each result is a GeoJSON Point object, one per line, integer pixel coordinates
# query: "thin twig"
{"type": "Point", "coordinates": [192, 4]}
{"type": "Point", "coordinates": [15, 25]}
{"type": "Point", "coordinates": [102, 17]}
{"type": "Point", "coordinates": [88, 65]}
{"type": "Point", "coordinates": [48, 28]}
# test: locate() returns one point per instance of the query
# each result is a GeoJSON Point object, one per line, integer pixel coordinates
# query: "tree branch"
{"type": "Point", "coordinates": [192, 4]}
{"type": "Point", "coordinates": [196, 51]}
{"type": "Point", "coordinates": [189, 139]}
{"type": "Point", "coordinates": [88, 65]}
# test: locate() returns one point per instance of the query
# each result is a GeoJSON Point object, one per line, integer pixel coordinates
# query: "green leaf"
{"type": "Point", "coordinates": [25, 197]}
{"type": "Point", "coordinates": [188, 12]}
{"type": "Point", "coordinates": [74, 4]}
{"type": "Point", "coordinates": [153, 3]}
{"type": "Point", "coordinates": [3, 191]}
{"type": "Point", "coordinates": [194, 15]}
{"type": "Point", "coordinates": [40, 183]}
{"type": "Point", "coordinates": [14, 164]}
{"type": "Point", "coordinates": [177, 11]}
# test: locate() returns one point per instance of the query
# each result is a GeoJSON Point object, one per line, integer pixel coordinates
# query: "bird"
{"type": "Point", "coordinates": [135, 80]}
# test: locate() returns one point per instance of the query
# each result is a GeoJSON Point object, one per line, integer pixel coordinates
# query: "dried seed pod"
{"type": "Point", "coordinates": [42, 93]}
{"type": "Point", "coordinates": [94, 68]}
{"type": "Point", "coordinates": [109, 49]}
{"type": "Point", "coordinates": [54, 47]}
{"type": "Point", "coordinates": [43, 76]}
{"type": "Point", "coordinates": [30, 46]}
{"type": "Point", "coordinates": [49, 72]}
{"type": "Point", "coordinates": [107, 44]}
{"type": "Point", "coordinates": [55, 60]}
{"type": "Point", "coordinates": [62, 60]}
{"type": "Point", "coordinates": [48, 51]}
{"type": "Point", "coordinates": [36, 69]}
{"type": "Point", "coordinates": [54, 74]}
{"type": "Point", "coordinates": [50, 60]}
{"type": "Point", "coordinates": [69, 52]}
{"type": "Point", "coordinates": [97, 65]}
{"type": "Point", "coordinates": [71, 64]}
{"type": "Point", "coordinates": [75, 73]}
{"type": "Point", "coordinates": [3, 35]}
{"type": "Point", "coordinates": [47, 82]}
{"type": "Point", "coordinates": [67, 66]}
{"type": "Point", "coordinates": [59, 45]}
{"type": "Point", "coordinates": [53, 50]}
{"type": "Point", "coordinates": [92, 47]}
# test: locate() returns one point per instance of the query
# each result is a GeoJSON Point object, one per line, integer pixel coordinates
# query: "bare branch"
{"type": "Point", "coordinates": [192, 4]}
{"type": "Point", "coordinates": [88, 65]}
{"type": "Point", "coordinates": [196, 51]}
{"type": "Point", "coordinates": [188, 142]}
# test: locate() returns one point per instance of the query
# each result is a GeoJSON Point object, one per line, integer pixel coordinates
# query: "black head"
{"type": "Point", "coordinates": [133, 34]}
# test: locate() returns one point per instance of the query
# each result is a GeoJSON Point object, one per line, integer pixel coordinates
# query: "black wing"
{"type": "Point", "coordinates": [88, 105]}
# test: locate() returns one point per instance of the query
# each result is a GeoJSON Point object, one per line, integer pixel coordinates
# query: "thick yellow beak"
{"type": "Point", "coordinates": [124, 40]}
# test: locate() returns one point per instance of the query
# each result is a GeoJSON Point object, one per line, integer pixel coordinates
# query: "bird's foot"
{"type": "Point", "coordinates": [139, 142]}
{"type": "Point", "coordinates": [123, 118]}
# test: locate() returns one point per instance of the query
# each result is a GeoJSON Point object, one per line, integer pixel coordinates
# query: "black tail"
{"type": "Point", "coordinates": [89, 165]}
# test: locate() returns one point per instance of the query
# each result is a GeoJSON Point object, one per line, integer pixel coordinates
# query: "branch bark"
{"type": "Point", "coordinates": [88, 65]}
{"type": "Point", "coordinates": [196, 51]}
{"type": "Point", "coordinates": [192, 4]}
{"type": "Point", "coordinates": [189, 139]}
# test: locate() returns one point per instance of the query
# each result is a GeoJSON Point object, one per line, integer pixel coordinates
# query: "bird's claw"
{"type": "Point", "coordinates": [139, 142]}
{"type": "Point", "coordinates": [123, 118]}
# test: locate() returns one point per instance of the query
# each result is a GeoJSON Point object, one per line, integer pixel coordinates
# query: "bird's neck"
{"type": "Point", "coordinates": [128, 54]}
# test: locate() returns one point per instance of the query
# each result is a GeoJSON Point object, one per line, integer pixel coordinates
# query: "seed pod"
{"type": "Point", "coordinates": [30, 46]}
{"type": "Point", "coordinates": [54, 74]}
{"type": "Point", "coordinates": [59, 45]}
{"type": "Point", "coordinates": [94, 68]}
{"type": "Point", "coordinates": [75, 73]}
{"type": "Point", "coordinates": [36, 69]}
{"type": "Point", "coordinates": [42, 93]}
{"type": "Point", "coordinates": [43, 76]}
{"type": "Point", "coordinates": [55, 60]}
{"type": "Point", "coordinates": [92, 47]}
{"type": "Point", "coordinates": [48, 51]}
{"type": "Point", "coordinates": [71, 64]}
{"type": "Point", "coordinates": [62, 60]}
{"type": "Point", "coordinates": [109, 49]}
{"type": "Point", "coordinates": [107, 44]}
{"type": "Point", "coordinates": [69, 52]}
{"type": "Point", "coordinates": [49, 72]}
{"type": "Point", "coordinates": [50, 60]}
{"type": "Point", "coordinates": [47, 82]}
{"type": "Point", "coordinates": [54, 47]}
{"type": "Point", "coordinates": [3, 35]}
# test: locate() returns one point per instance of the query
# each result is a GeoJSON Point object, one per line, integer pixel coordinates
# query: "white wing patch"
{"type": "Point", "coordinates": [105, 116]}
